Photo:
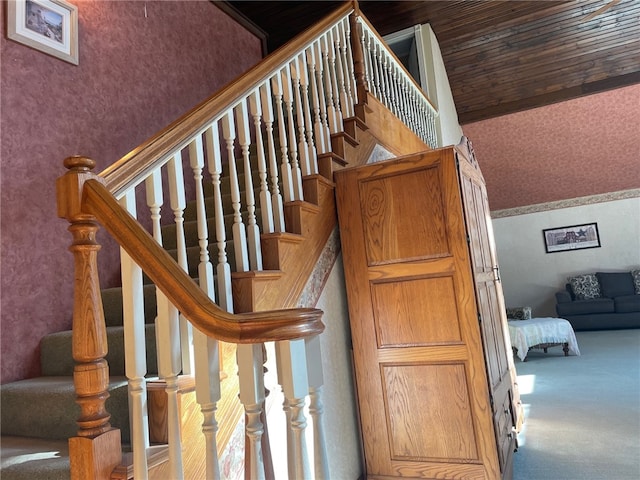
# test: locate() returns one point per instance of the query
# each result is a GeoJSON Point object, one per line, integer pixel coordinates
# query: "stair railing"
{"type": "Point", "coordinates": [255, 139]}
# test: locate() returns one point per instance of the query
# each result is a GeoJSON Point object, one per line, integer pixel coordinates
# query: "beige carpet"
{"type": "Point", "coordinates": [582, 413]}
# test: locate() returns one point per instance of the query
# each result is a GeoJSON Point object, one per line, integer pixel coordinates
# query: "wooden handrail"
{"type": "Point", "coordinates": [183, 292]}
{"type": "Point", "coordinates": [143, 159]}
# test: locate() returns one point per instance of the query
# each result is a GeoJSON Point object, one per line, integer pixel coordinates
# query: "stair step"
{"type": "Point", "coordinates": [25, 458]}
{"type": "Point", "coordinates": [112, 305]}
{"type": "Point", "coordinates": [45, 407]}
{"type": "Point", "coordinates": [56, 356]}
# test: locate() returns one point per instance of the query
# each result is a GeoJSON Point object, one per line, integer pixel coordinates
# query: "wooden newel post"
{"type": "Point", "coordinates": [358, 56]}
{"type": "Point", "coordinates": [97, 449]}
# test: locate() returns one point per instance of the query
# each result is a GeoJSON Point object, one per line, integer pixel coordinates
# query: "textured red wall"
{"type": "Point", "coordinates": [580, 147]}
{"type": "Point", "coordinates": [137, 73]}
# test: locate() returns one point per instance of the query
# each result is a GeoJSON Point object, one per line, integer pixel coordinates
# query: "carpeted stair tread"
{"type": "Point", "coordinates": [24, 458]}
{"type": "Point", "coordinates": [45, 407]}
{"type": "Point", "coordinates": [112, 305]}
{"type": "Point", "coordinates": [56, 355]}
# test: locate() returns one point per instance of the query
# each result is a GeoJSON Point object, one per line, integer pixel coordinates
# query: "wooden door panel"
{"type": "Point", "coordinates": [408, 390]}
{"type": "Point", "coordinates": [400, 225]}
{"type": "Point", "coordinates": [405, 316]}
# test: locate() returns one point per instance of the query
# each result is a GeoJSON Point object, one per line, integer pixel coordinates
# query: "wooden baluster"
{"type": "Point", "coordinates": [316, 407]}
{"type": "Point", "coordinates": [287, 180]}
{"type": "Point", "coordinates": [312, 154]}
{"type": "Point", "coordinates": [287, 96]}
{"type": "Point", "coordinates": [252, 396]}
{"type": "Point", "coordinates": [322, 142]}
{"type": "Point", "coordinates": [320, 76]}
{"type": "Point", "coordinates": [276, 197]}
{"type": "Point", "coordinates": [238, 229]}
{"type": "Point", "coordinates": [178, 204]}
{"type": "Point", "coordinates": [153, 188]}
{"type": "Point", "coordinates": [332, 111]}
{"type": "Point", "coordinates": [303, 146]}
{"type": "Point", "coordinates": [135, 352]}
{"type": "Point", "coordinates": [265, 197]}
{"type": "Point", "coordinates": [206, 350]}
{"type": "Point", "coordinates": [253, 232]}
{"type": "Point", "coordinates": [337, 77]}
{"type": "Point", "coordinates": [377, 76]}
{"type": "Point", "coordinates": [223, 269]}
{"type": "Point", "coordinates": [292, 376]}
{"type": "Point", "coordinates": [96, 451]}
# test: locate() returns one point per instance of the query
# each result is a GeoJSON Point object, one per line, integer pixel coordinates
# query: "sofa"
{"type": "Point", "coordinates": [601, 300]}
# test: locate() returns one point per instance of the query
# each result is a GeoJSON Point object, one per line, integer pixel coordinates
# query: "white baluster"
{"type": "Point", "coordinates": [253, 232]}
{"type": "Point", "coordinates": [250, 373]}
{"type": "Point", "coordinates": [169, 365]}
{"type": "Point", "coordinates": [322, 141]}
{"type": "Point", "coordinates": [303, 146]}
{"type": "Point", "coordinates": [178, 204]}
{"type": "Point", "coordinates": [153, 187]}
{"type": "Point", "coordinates": [308, 124]}
{"type": "Point", "coordinates": [265, 197]}
{"type": "Point", "coordinates": [322, 96]}
{"type": "Point", "coordinates": [223, 269]}
{"type": "Point", "coordinates": [238, 229]}
{"type": "Point", "coordinates": [287, 96]}
{"type": "Point", "coordinates": [285, 169]}
{"type": "Point", "coordinates": [135, 353]}
{"type": "Point", "coordinates": [206, 354]}
{"type": "Point", "coordinates": [292, 376]}
{"type": "Point", "coordinates": [347, 61]}
{"type": "Point", "coordinates": [332, 113]}
{"type": "Point", "coordinates": [316, 408]}
{"type": "Point", "coordinates": [337, 75]}
{"type": "Point", "coordinates": [276, 197]}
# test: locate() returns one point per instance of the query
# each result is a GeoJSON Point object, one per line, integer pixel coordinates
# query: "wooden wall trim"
{"type": "Point", "coordinates": [568, 203]}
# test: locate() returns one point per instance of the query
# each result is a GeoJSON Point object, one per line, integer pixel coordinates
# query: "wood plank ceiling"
{"type": "Point", "coordinates": [501, 56]}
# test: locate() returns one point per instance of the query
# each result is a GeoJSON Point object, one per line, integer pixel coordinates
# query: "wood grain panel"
{"type": "Point", "coordinates": [418, 403]}
{"type": "Point", "coordinates": [403, 217]}
{"type": "Point", "coordinates": [414, 312]}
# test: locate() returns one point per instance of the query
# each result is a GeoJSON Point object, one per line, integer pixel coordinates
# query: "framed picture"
{"type": "Point", "coordinates": [50, 26]}
{"type": "Point", "coordinates": [573, 237]}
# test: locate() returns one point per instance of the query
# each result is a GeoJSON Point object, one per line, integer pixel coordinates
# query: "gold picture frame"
{"type": "Point", "coordinates": [50, 26]}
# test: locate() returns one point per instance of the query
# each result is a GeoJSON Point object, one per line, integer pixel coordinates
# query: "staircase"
{"type": "Point", "coordinates": [261, 220]}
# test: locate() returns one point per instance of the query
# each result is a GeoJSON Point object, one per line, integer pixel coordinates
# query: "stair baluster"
{"type": "Point", "coordinates": [285, 168]}
{"type": "Point", "coordinates": [135, 352]}
{"type": "Point", "coordinates": [265, 197]}
{"type": "Point", "coordinates": [322, 96]}
{"type": "Point", "coordinates": [303, 146]}
{"type": "Point", "coordinates": [252, 396]}
{"type": "Point", "coordinates": [312, 154]}
{"type": "Point", "coordinates": [238, 229]}
{"type": "Point", "coordinates": [292, 376]}
{"type": "Point", "coordinates": [332, 109]}
{"type": "Point", "coordinates": [223, 269]}
{"type": "Point", "coordinates": [178, 204]}
{"type": "Point", "coordinates": [253, 232]}
{"type": "Point", "coordinates": [287, 97]}
{"type": "Point", "coordinates": [276, 197]}
{"type": "Point", "coordinates": [322, 140]}
{"type": "Point", "coordinates": [347, 67]}
{"type": "Point", "coordinates": [333, 44]}
{"type": "Point", "coordinates": [316, 407]}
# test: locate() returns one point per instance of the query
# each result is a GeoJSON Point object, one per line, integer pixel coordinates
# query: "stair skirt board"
{"type": "Point", "coordinates": [23, 458]}
{"type": "Point", "coordinates": [45, 408]}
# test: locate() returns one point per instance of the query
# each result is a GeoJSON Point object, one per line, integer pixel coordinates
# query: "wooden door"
{"type": "Point", "coordinates": [418, 353]}
{"type": "Point", "coordinates": [491, 309]}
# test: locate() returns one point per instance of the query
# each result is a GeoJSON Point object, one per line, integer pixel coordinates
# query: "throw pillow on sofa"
{"type": "Point", "coordinates": [636, 280]}
{"type": "Point", "coordinates": [585, 287]}
{"type": "Point", "coordinates": [617, 284]}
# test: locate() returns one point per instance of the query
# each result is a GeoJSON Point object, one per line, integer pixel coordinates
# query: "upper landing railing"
{"type": "Point", "coordinates": [245, 152]}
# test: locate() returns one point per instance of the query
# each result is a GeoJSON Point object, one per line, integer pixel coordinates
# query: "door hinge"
{"type": "Point", "coordinates": [468, 240]}
{"type": "Point", "coordinates": [479, 318]}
